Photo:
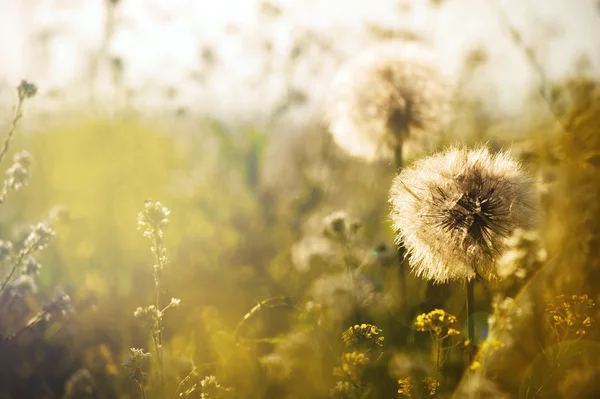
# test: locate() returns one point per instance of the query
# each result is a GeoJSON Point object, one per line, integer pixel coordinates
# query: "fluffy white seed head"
{"type": "Point", "coordinates": [453, 211]}
{"type": "Point", "coordinates": [390, 95]}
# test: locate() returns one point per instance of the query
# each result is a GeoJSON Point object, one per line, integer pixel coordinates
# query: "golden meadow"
{"type": "Point", "coordinates": [177, 256]}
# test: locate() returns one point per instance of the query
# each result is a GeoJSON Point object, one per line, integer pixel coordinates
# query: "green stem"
{"type": "Point", "coordinates": [142, 390]}
{"type": "Point", "coordinates": [470, 310]}
{"type": "Point", "coordinates": [20, 257]}
{"type": "Point", "coordinates": [470, 318]}
{"type": "Point", "coordinates": [401, 252]}
{"type": "Point", "coordinates": [15, 120]}
{"type": "Point", "coordinates": [437, 364]}
{"type": "Point", "coordinates": [158, 327]}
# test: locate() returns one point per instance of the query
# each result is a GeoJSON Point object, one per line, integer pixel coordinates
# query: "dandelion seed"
{"type": "Point", "coordinates": [389, 97]}
{"type": "Point", "coordinates": [453, 212]}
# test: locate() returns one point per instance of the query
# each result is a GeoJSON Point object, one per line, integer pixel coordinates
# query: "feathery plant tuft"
{"type": "Point", "coordinates": [151, 221]}
{"type": "Point", "coordinates": [453, 212]}
{"type": "Point", "coordinates": [19, 266]}
{"type": "Point", "coordinates": [387, 99]}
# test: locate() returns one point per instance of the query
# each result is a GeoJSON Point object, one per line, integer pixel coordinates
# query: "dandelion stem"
{"type": "Point", "coordinates": [439, 355]}
{"type": "Point", "coordinates": [401, 269]}
{"type": "Point", "coordinates": [470, 312]}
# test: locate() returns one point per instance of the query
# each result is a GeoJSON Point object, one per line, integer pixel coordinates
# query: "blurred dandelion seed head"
{"type": "Point", "coordinates": [339, 226]}
{"type": "Point", "coordinates": [312, 251]}
{"type": "Point", "coordinates": [389, 96]}
{"type": "Point", "coordinates": [339, 295]}
{"type": "Point", "coordinates": [453, 211]}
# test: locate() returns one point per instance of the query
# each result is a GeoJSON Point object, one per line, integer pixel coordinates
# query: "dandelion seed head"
{"type": "Point", "coordinates": [453, 212]}
{"type": "Point", "coordinates": [338, 295]}
{"type": "Point", "coordinates": [338, 226]}
{"type": "Point", "coordinates": [390, 95]}
{"type": "Point", "coordinates": [312, 251]}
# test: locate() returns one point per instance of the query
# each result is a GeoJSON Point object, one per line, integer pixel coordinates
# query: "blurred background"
{"type": "Point", "coordinates": [216, 109]}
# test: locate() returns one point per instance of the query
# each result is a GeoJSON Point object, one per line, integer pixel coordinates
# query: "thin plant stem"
{"type": "Point", "coordinates": [470, 312]}
{"type": "Point", "coordinates": [401, 252]}
{"type": "Point", "coordinates": [470, 309]}
{"type": "Point", "coordinates": [158, 327]}
{"type": "Point", "coordinates": [437, 363]}
{"type": "Point", "coordinates": [32, 322]}
{"type": "Point", "coordinates": [20, 257]}
{"type": "Point", "coordinates": [15, 121]}
{"type": "Point", "coordinates": [142, 390]}
{"type": "Point", "coordinates": [186, 379]}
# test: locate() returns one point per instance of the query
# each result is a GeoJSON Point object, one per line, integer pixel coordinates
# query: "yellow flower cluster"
{"type": "Point", "coordinates": [431, 385]}
{"type": "Point", "coordinates": [438, 322]}
{"type": "Point", "coordinates": [405, 387]}
{"type": "Point", "coordinates": [569, 313]}
{"type": "Point", "coordinates": [493, 344]}
{"type": "Point", "coordinates": [352, 365]}
{"type": "Point", "coordinates": [363, 336]}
